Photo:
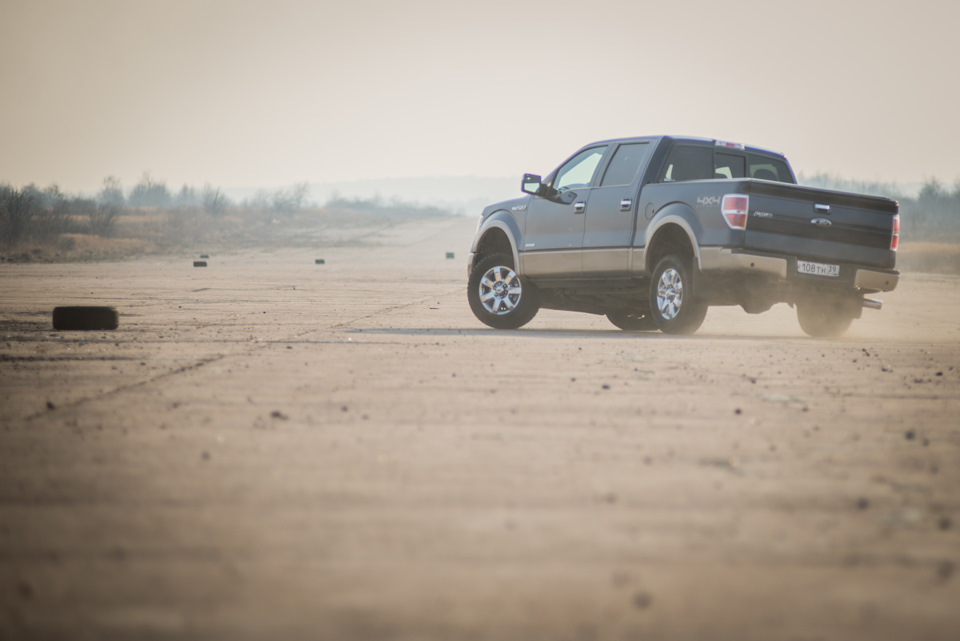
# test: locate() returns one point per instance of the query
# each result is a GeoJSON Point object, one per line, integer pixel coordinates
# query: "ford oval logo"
{"type": "Point", "coordinates": [821, 222]}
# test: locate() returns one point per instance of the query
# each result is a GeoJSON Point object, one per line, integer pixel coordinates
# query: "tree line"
{"type": "Point", "coordinates": [35, 214]}
{"type": "Point", "coordinates": [42, 214]}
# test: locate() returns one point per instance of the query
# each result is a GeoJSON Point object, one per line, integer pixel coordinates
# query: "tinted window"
{"type": "Point", "coordinates": [729, 166]}
{"type": "Point", "coordinates": [578, 171]}
{"type": "Point", "coordinates": [769, 168]}
{"type": "Point", "coordinates": [687, 162]}
{"type": "Point", "coordinates": [625, 164]}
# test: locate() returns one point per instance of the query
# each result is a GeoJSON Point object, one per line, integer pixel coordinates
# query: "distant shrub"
{"type": "Point", "coordinates": [17, 210]}
{"type": "Point", "coordinates": [934, 215]}
{"type": "Point", "coordinates": [377, 205]}
{"type": "Point", "coordinates": [213, 200]}
{"type": "Point", "coordinates": [32, 213]}
{"type": "Point", "coordinates": [111, 193]}
{"type": "Point", "coordinates": [281, 201]}
{"type": "Point", "coordinates": [187, 197]}
{"type": "Point", "coordinates": [830, 181]}
{"type": "Point", "coordinates": [260, 201]}
{"type": "Point", "coordinates": [51, 219]}
{"type": "Point", "coordinates": [149, 193]}
{"type": "Point", "coordinates": [102, 219]}
{"type": "Point", "coordinates": [287, 201]}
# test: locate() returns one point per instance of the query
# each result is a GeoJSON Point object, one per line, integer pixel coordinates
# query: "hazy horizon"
{"type": "Point", "coordinates": [254, 94]}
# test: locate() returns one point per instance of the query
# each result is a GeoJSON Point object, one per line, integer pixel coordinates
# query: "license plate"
{"type": "Point", "coordinates": [818, 269]}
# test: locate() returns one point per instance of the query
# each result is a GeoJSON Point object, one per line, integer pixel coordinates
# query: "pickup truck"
{"type": "Point", "coordinates": [652, 231]}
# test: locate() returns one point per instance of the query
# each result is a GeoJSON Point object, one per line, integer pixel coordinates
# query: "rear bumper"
{"type": "Point", "coordinates": [717, 259]}
{"type": "Point", "coordinates": [881, 281]}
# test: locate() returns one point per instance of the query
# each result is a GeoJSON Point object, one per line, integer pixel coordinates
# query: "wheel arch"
{"type": "Point", "coordinates": [497, 234]}
{"type": "Point", "coordinates": [674, 230]}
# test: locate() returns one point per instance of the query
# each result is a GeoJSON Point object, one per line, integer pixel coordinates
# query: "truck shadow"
{"type": "Point", "coordinates": [596, 334]}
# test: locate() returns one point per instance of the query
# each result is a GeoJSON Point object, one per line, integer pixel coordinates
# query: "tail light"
{"type": "Point", "coordinates": [734, 208]}
{"type": "Point", "coordinates": [895, 238]}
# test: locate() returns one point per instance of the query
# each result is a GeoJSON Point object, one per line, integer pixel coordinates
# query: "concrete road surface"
{"type": "Point", "coordinates": [268, 448]}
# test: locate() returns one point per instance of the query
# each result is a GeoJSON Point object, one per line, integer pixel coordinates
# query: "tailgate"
{"type": "Point", "coordinates": [820, 224]}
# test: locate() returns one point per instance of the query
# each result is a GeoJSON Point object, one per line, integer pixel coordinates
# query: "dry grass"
{"type": "Point", "coordinates": [68, 248]}
{"type": "Point", "coordinates": [933, 258]}
{"type": "Point", "coordinates": [81, 246]}
{"type": "Point", "coordinates": [154, 231]}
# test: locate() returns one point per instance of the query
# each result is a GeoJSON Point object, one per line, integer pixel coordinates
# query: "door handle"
{"type": "Point", "coordinates": [626, 204]}
{"type": "Point", "coordinates": [579, 207]}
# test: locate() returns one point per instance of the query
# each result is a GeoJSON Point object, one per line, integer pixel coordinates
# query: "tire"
{"type": "Point", "coordinates": [85, 318]}
{"type": "Point", "coordinates": [633, 322]}
{"type": "Point", "coordinates": [823, 319]}
{"type": "Point", "coordinates": [673, 303]}
{"type": "Point", "coordinates": [498, 296]}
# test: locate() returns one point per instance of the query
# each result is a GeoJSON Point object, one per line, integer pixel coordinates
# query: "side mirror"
{"type": "Point", "coordinates": [531, 184]}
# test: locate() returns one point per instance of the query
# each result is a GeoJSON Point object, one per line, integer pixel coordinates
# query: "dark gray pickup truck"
{"type": "Point", "coordinates": [651, 231]}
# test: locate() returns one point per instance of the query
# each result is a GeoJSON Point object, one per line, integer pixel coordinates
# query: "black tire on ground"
{"type": "Point", "coordinates": [85, 318]}
{"type": "Point", "coordinates": [498, 296]}
{"type": "Point", "coordinates": [633, 322]}
{"type": "Point", "coordinates": [199, 263]}
{"type": "Point", "coordinates": [823, 319]}
{"type": "Point", "coordinates": [673, 298]}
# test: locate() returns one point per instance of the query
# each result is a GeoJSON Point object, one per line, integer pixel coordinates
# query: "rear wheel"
{"type": "Point", "coordinates": [823, 319]}
{"type": "Point", "coordinates": [630, 322]}
{"type": "Point", "coordinates": [673, 303]}
{"type": "Point", "coordinates": [498, 296]}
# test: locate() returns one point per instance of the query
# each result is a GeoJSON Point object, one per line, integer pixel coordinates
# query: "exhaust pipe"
{"type": "Point", "coordinates": [870, 303]}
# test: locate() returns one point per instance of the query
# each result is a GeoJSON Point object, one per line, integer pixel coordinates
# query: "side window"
{"type": "Point", "coordinates": [688, 162]}
{"type": "Point", "coordinates": [769, 168]}
{"type": "Point", "coordinates": [578, 172]}
{"type": "Point", "coordinates": [625, 164]}
{"type": "Point", "coordinates": [729, 166]}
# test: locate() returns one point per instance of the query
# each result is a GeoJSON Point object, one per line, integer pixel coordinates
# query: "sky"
{"type": "Point", "coordinates": [249, 93]}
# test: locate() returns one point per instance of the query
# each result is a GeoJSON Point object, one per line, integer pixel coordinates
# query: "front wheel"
{"type": "Point", "coordinates": [823, 319]}
{"type": "Point", "coordinates": [673, 303]}
{"type": "Point", "coordinates": [498, 296]}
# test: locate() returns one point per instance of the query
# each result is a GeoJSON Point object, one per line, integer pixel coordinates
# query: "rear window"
{"type": "Point", "coordinates": [768, 168]}
{"type": "Point", "coordinates": [697, 162]}
{"type": "Point", "coordinates": [729, 166]}
{"type": "Point", "coordinates": [688, 162]}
